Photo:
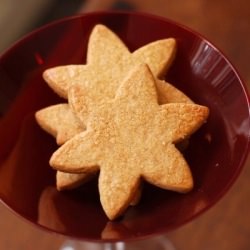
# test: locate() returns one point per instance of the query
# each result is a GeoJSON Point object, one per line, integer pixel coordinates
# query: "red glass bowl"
{"type": "Point", "coordinates": [216, 153]}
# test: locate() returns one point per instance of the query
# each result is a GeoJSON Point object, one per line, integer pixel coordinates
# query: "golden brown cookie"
{"type": "Point", "coordinates": [108, 60]}
{"type": "Point", "coordinates": [59, 121]}
{"type": "Point", "coordinates": [106, 50]}
{"type": "Point", "coordinates": [65, 181]}
{"type": "Point", "coordinates": [132, 138]}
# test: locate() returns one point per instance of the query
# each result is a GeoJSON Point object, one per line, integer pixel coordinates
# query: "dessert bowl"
{"type": "Point", "coordinates": [216, 153]}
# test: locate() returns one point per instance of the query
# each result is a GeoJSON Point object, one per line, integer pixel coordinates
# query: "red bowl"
{"type": "Point", "coordinates": [216, 153]}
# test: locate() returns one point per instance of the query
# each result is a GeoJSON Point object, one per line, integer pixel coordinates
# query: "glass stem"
{"type": "Point", "coordinates": [114, 246]}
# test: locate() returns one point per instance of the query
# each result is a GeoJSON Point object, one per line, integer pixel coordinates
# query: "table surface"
{"type": "Point", "coordinates": [225, 226]}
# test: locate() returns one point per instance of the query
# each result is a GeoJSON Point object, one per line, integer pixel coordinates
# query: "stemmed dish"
{"type": "Point", "coordinates": [216, 153]}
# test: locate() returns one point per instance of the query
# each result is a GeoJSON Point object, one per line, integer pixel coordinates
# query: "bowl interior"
{"type": "Point", "coordinates": [216, 153]}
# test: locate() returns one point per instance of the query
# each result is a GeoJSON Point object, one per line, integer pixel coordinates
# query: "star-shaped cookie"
{"type": "Point", "coordinates": [132, 138]}
{"type": "Point", "coordinates": [108, 61]}
{"type": "Point", "coordinates": [106, 50]}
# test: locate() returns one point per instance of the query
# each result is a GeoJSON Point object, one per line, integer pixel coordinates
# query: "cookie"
{"type": "Point", "coordinates": [105, 50]}
{"type": "Point", "coordinates": [59, 121]}
{"type": "Point", "coordinates": [67, 181]}
{"type": "Point", "coordinates": [108, 61]}
{"type": "Point", "coordinates": [132, 138]}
